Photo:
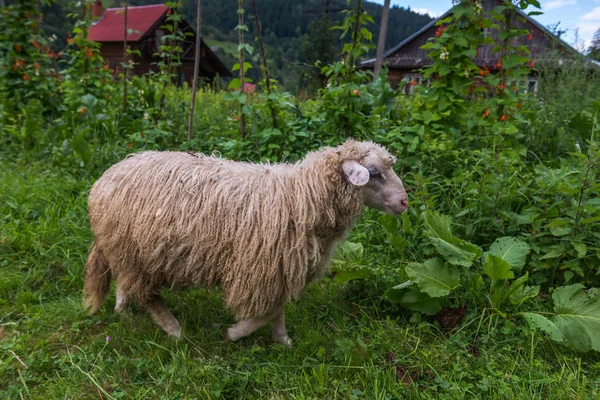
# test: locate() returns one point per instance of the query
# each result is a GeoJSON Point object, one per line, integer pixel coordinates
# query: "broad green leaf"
{"type": "Point", "coordinates": [81, 147]}
{"type": "Point", "coordinates": [346, 276]}
{"type": "Point", "coordinates": [434, 277]}
{"type": "Point", "coordinates": [516, 285]}
{"type": "Point", "coordinates": [519, 219]}
{"type": "Point", "coordinates": [581, 249]}
{"type": "Point", "coordinates": [395, 294]}
{"type": "Point", "coordinates": [421, 302]}
{"type": "Point", "coordinates": [389, 223]}
{"type": "Point", "coordinates": [568, 274]}
{"type": "Point", "coordinates": [552, 254]}
{"type": "Point", "coordinates": [511, 250]}
{"type": "Point", "coordinates": [456, 251]}
{"type": "Point", "coordinates": [560, 230]}
{"type": "Point", "coordinates": [236, 66]}
{"type": "Point", "coordinates": [234, 84]}
{"type": "Point", "coordinates": [497, 269]}
{"type": "Point", "coordinates": [349, 253]}
{"type": "Point", "coordinates": [576, 316]}
{"type": "Point", "coordinates": [523, 293]}
{"type": "Point", "coordinates": [540, 322]}
{"type": "Point", "coordinates": [241, 98]}
{"type": "Point", "coordinates": [406, 222]}
{"type": "Point", "coordinates": [89, 100]}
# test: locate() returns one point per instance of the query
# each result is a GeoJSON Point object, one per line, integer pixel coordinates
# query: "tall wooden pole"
{"type": "Point", "coordinates": [125, 66]}
{"type": "Point", "coordinates": [385, 14]}
{"type": "Point", "coordinates": [196, 66]}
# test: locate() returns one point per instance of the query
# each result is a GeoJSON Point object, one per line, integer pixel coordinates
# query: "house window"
{"type": "Point", "coordinates": [528, 85]}
{"type": "Point", "coordinates": [532, 85]}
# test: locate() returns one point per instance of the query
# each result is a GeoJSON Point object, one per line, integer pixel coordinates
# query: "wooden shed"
{"type": "Point", "coordinates": [145, 30]}
{"type": "Point", "coordinates": [405, 59]}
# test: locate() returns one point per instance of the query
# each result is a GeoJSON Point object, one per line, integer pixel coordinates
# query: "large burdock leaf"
{"type": "Point", "coordinates": [497, 268]}
{"type": "Point", "coordinates": [511, 250]}
{"type": "Point", "coordinates": [434, 277]}
{"type": "Point", "coordinates": [575, 320]}
{"type": "Point", "coordinates": [409, 296]}
{"type": "Point", "coordinates": [544, 324]}
{"type": "Point", "coordinates": [421, 302]}
{"type": "Point", "coordinates": [456, 251]}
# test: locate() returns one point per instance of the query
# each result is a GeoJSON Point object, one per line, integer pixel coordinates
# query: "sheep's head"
{"type": "Point", "coordinates": [373, 172]}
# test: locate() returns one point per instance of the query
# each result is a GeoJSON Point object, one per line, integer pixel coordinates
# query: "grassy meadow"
{"type": "Point", "coordinates": [349, 342]}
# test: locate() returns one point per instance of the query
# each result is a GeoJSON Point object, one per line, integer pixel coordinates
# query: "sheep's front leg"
{"type": "Point", "coordinates": [162, 316]}
{"type": "Point", "coordinates": [279, 331]}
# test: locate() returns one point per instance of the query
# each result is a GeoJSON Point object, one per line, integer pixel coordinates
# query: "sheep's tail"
{"type": "Point", "coordinates": [97, 280]}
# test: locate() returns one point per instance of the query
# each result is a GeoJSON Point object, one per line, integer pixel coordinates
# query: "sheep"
{"type": "Point", "coordinates": [261, 232]}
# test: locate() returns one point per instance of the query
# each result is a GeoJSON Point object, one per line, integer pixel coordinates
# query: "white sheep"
{"type": "Point", "coordinates": [261, 232]}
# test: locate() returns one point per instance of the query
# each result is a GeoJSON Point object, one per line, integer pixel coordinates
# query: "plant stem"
{"type": "Point", "coordinates": [350, 59]}
{"type": "Point", "coordinates": [581, 192]}
{"type": "Point", "coordinates": [242, 83]}
{"type": "Point", "coordinates": [265, 66]}
{"type": "Point", "coordinates": [125, 67]}
{"type": "Point", "coordinates": [196, 66]}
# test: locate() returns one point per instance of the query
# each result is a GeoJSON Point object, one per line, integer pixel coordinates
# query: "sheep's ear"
{"type": "Point", "coordinates": [355, 173]}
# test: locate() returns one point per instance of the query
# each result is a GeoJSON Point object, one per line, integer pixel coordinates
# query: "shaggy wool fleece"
{"type": "Point", "coordinates": [261, 232]}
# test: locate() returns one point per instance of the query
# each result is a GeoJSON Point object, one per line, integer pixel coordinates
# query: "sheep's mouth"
{"type": "Point", "coordinates": [396, 209]}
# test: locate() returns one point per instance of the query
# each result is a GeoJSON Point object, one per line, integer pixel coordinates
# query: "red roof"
{"type": "Point", "coordinates": [110, 27]}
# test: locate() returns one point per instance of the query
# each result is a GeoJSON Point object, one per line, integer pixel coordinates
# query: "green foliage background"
{"type": "Point", "coordinates": [485, 288]}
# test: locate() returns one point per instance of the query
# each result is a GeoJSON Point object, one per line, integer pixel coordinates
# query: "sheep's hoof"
{"type": "Point", "coordinates": [174, 331]}
{"type": "Point", "coordinates": [232, 334]}
{"type": "Point", "coordinates": [284, 340]}
{"type": "Point", "coordinates": [124, 310]}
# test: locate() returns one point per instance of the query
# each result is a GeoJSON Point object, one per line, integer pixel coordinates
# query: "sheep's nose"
{"type": "Point", "coordinates": [404, 202]}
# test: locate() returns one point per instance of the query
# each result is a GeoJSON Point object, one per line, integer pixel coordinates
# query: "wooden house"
{"type": "Point", "coordinates": [406, 59]}
{"type": "Point", "coordinates": [145, 30]}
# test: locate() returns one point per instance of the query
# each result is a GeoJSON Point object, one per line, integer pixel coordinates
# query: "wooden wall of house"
{"type": "Point", "coordinates": [411, 55]}
{"type": "Point", "coordinates": [112, 54]}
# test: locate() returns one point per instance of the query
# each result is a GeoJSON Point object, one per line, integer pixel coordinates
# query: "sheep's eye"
{"type": "Point", "coordinates": [373, 173]}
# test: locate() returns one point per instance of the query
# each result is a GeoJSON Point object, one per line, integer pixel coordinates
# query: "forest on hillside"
{"type": "Point", "coordinates": [297, 33]}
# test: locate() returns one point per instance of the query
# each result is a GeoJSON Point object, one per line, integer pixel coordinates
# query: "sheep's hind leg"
{"type": "Point", "coordinates": [162, 316]}
{"type": "Point", "coordinates": [279, 331]}
{"type": "Point", "coordinates": [122, 300]}
{"type": "Point", "coordinates": [247, 326]}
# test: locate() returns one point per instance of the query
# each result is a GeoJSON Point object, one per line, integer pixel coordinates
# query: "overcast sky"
{"type": "Point", "coordinates": [582, 16]}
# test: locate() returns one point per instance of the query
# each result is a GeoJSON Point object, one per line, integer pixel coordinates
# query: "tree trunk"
{"type": "Point", "coordinates": [196, 66]}
{"type": "Point", "coordinates": [385, 14]}
{"type": "Point", "coordinates": [125, 66]}
{"type": "Point", "coordinates": [265, 66]}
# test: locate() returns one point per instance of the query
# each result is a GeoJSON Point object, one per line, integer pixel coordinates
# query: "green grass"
{"type": "Point", "coordinates": [343, 334]}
